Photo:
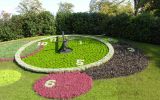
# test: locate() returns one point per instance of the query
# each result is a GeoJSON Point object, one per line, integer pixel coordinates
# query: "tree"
{"type": "Point", "coordinates": [26, 6]}
{"type": "Point", "coordinates": [146, 6]}
{"type": "Point", "coordinates": [126, 8]}
{"type": "Point", "coordinates": [136, 6]}
{"type": "Point", "coordinates": [108, 8]}
{"type": "Point", "coordinates": [112, 8]}
{"type": "Point", "coordinates": [65, 7]}
{"type": "Point", "coordinates": [95, 4]}
{"type": "Point", "coordinates": [150, 5]}
{"type": "Point", "coordinates": [5, 16]}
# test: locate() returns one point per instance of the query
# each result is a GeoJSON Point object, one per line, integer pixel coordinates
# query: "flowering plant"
{"type": "Point", "coordinates": [66, 85]}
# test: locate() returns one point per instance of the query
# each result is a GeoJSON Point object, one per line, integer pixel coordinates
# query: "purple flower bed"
{"type": "Point", "coordinates": [31, 54]}
{"type": "Point", "coordinates": [126, 60]}
{"type": "Point", "coordinates": [65, 86]}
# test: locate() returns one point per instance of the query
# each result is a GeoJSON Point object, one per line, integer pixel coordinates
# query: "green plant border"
{"type": "Point", "coordinates": [9, 77]}
{"type": "Point", "coordinates": [50, 70]}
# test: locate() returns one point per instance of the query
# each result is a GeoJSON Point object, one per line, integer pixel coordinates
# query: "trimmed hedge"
{"type": "Point", "coordinates": [27, 25]}
{"type": "Point", "coordinates": [79, 23]}
{"type": "Point", "coordinates": [144, 27]}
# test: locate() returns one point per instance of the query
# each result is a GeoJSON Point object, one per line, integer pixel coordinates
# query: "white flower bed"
{"type": "Point", "coordinates": [49, 70]}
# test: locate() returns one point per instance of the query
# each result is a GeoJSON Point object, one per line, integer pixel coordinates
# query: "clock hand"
{"type": "Point", "coordinates": [56, 44]}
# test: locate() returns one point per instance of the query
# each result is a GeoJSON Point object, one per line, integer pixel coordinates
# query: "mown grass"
{"type": "Point", "coordinates": [90, 51]}
{"type": "Point", "coordinates": [141, 86]}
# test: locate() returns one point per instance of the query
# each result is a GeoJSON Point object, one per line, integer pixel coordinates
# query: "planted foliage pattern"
{"type": "Point", "coordinates": [125, 62]}
{"type": "Point", "coordinates": [8, 77]}
{"type": "Point", "coordinates": [7, 51]}
{"type": "Point", "coordinates": [67, 85]}
{"type": "Point", "coordinates": [84, 49]}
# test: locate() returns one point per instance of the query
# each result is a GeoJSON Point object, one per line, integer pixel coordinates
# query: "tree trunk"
{"type": "Point", "coordinates": [136, 2]}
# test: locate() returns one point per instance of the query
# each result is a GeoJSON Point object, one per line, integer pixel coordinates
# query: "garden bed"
{"type": "Point", "coordinates": [24, 56]}
{"type": "Point", "coordinates": [92, 51]}
{"type": "Point", "coordinates": [8, 49]}
{"type": "Point", "coordinates": [124, 62]}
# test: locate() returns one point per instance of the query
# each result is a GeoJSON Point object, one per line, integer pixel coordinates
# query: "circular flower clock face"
{"type": "Point", "coordinates": [67, 53]}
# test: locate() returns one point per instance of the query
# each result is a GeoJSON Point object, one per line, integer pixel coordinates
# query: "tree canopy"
{"type": "Point", "coordinates": [5, 16]}
{"type": "Point", "coordinates": [65, 7]}
{"type": "Point", "coordinates": [146, 5]}
{"type": "Point", "coordinates": [26, 6]}
{"type": "Point", "coordinates": [112, 8]}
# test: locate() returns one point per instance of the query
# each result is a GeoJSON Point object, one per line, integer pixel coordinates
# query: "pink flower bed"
{"type": "Point", "coordinates": [66, 86]}
{"type": "Point", "coordinates": [31, 54]}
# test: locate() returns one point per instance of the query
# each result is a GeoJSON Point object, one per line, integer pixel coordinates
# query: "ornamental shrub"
{"type": "Point", "coordinates": [38, 24]}
{"type": "Point", "coordinates": [27, 25]}
{"type": "Point", "coordinates": [45, 23]}
{"type": "Point", "coordinates": [6, 31]}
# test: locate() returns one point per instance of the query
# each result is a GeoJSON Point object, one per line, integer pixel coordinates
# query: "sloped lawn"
{"type": "Point", "coordinates": [144, 85]}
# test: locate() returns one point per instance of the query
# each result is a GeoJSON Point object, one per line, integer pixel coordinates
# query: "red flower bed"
{"type": "Point", "coordinates": [63, 85]}
{"type": "Point", "coordinates": [31, 54]}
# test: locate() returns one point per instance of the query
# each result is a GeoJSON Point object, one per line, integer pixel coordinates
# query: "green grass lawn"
{"type": "Point", "coordinates": [141, 86]}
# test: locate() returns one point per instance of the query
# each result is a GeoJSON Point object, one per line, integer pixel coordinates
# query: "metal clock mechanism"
{"type": "Point", "coordinates": [64, 48]}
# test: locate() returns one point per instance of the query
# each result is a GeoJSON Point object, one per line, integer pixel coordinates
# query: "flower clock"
{"type": "Point", "coordinates": [66, 56]}
{"type": "Point", "coordinates": [63, 85]}
{"type": "Point", "coordinates": [67, 53]}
